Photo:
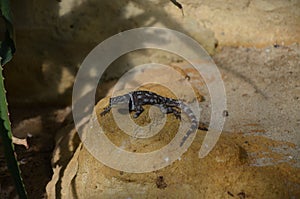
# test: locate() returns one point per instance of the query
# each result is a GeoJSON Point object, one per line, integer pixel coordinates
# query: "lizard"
{"type": "Point", "coordinates": [136, 100]}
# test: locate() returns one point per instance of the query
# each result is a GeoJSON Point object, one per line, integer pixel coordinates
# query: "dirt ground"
{"type": "Point", "coordinates": [263, 95]}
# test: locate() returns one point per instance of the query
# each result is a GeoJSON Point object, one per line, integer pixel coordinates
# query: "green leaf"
{"type": "Point", "coordinates": [6, 135]}
{"type": "Point", "coordinates": [7, 49]}
{"type": "Point", "coordinates": [7, 46]}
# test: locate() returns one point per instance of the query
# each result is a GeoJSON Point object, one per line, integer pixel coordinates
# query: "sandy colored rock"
{"type": "Point", "coordinates": [226, 172]}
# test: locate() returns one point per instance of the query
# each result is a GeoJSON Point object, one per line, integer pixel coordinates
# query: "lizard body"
{"type": "Point", "coordinates": [136, 100]}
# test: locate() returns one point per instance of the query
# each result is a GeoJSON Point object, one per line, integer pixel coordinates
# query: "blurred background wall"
{"type": "Point", "coordinates": [54, 37]}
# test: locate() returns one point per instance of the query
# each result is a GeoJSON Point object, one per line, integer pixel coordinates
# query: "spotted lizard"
{"type": "Point", "coordinates": [136, 100]}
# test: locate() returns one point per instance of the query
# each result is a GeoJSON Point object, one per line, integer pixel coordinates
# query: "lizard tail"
{"type": "Point", "coordinates": [194, 122]}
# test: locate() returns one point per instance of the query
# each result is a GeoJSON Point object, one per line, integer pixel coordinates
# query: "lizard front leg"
{"type": "Point", "coordinates": [106, 110]}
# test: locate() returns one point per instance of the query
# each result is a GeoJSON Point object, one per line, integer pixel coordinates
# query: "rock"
{"type": "Point", "coordinates": [224, 173]}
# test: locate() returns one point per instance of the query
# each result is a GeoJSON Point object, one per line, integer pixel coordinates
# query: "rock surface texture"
{"type": "Point", "coordinates": [255, 44]}
{"type": "Point", "coordinates": [226, 172]}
